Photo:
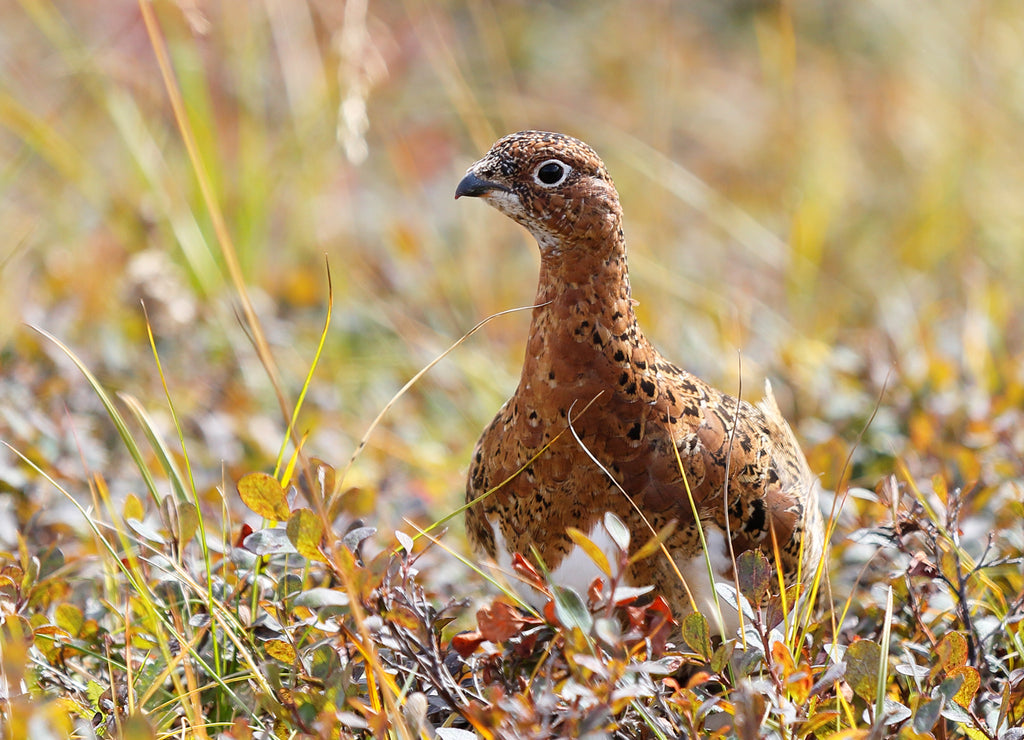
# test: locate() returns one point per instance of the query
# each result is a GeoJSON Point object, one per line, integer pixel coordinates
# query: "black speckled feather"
{"type": "Point", "coordinates": [741, 462]}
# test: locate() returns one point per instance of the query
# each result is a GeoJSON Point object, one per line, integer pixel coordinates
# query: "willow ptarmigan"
{"type": "Point", "coordinates": [588, 361]}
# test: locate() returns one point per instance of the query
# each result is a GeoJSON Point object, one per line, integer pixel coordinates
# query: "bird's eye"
{"type": "Point", "coordinates": [551, 173]}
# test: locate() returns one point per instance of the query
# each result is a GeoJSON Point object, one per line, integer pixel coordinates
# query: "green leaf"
{"type": "Point", "coordinates": [754, 573]}
{"type": "Point", "coordinates": [608, 631]}
{"type": "Point", "coordinates": [144, 529]}
{"type": "Point", "coordinates": [180, 519]}
{"type": "Point", "coordinates": [721, 657]}
{"type": "Point", "coordinates": [862, 662]}
{"type": "Point", "coordinates": [355, 537]}
{"type": "Point", "coordinates": [570, 609]}
{"type": "Point", "coordinates": [314, 598]}
{"type": "Point", "coordinates": [404, 540]}
{"type": "Point", "coordinates": [94, 690]}
{"type": "Point", "coordinates": [894, 712]}
{"type": "Point", "coordinates": [270, 541]}
{"type": "Point", "coordinates": [264, 494]}
{"type": "Point", "coordinates": [949, 688]}
{"type": "Point", "coordinates": [453, 733]}
{"type": "Point", "coordinates": [955, 713]}
{"type": "Point", "coordinates": [927, 715]}
{"type": "Point", "coordinates": [696, 634]}
{"type": "Point", "coordinates": [324, 663]}
{"type": "Point", "coordinates": [727, 593]}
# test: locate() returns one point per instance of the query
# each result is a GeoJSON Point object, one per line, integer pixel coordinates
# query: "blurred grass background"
{"type": "Point", "coordinates": [830, 191]}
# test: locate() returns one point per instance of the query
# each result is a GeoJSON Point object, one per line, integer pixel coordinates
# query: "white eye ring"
{"type": "Point", "coordinates": [539, 179]}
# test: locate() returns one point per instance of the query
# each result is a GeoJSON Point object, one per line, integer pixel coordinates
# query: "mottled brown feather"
{"type": "Point", "coordinates": [586, 350]}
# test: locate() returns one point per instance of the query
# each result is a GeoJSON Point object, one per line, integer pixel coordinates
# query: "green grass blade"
{"type": "Point", "coordinates": [115, 416]}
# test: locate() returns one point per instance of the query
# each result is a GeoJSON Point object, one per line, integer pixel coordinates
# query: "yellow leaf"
{"type": "Point", "coordinates": [851, 734]}
{"type": "Point", "coordinates": [69, 618]}
{"type": "Point", "coordinates": [264, 495]}
{"type": "Point", "coordinates": [654, 544]}
{"type": "Point", "coordinates": [188, 521]}
{"type": "Point", "coordinates": [592, 550]}
{"type": "Point", "coordinates": [951, 652]}
{"type": "Point", "coordinates": [305, 531]}
{"type": "Point", "coordinates": [133, 508]}
{"type": "Point", "coordinates": [970, 686]}
{"type": "Point", "coordinates": [280, 650]}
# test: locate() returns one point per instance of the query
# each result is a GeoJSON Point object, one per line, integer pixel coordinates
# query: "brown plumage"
{"type": "Point", "coordinates": [588, 360]}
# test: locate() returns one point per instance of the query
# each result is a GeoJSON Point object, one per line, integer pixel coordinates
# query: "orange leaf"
{"type": "Point", "coordinates": [697, 679]}
{"type": "Point", "coordinates": [950, 653]}
{"type": "Point", "coordinates": [782, 657]}
{"type": "Point", "coordinates": [549, 612]}
{"type": "Point", "coordinates": [661, 606]}
{"type": "Point", "coordinates": [660, 622]}
{"type": "Point", "coordinates": [244, 532]}
{"type": "Point", "coordinates": [501, 621]}
{"type": "Point", "coordinates": [799, 684]}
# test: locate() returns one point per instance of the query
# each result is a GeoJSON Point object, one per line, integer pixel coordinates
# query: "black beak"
{"type": "Point", "coordinates": [473, 187]}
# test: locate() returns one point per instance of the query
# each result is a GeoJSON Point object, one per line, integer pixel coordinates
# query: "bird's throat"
{"type": "Point", "coordinates": [584, 330]}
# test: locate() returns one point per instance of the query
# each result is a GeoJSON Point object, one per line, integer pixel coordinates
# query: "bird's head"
{"type": "Point", "coordinates": [554, 185]}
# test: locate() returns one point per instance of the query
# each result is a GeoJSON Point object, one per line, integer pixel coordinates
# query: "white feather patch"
{"type": "Point", "coordinates": [722, 618]}
{"type": "Point", "coordinates": [578, 571]}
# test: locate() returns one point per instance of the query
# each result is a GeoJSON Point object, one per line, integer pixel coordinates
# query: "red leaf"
{"type": "Point", "coordinates": [465, 643]}
{"type": "Point", "coordinates": [636, 617]}
{"type": "Point", "coordinates": [921, 566]}
{"type": "Point", "coordinates": [501, 621]}
{"type": "Point", "coordinates": [525, 570]}
{"type": "Point", "coordinates": [549, 613]}
{"type": "Point", "coordinates": [524, 647]}
{"type": "Point", "coordinates": [652, 621]}
{"type": "Point", "coordinates": [659, 624]}
{"type": "Point", "coordinates": [245, 532]}
{"type": "Point", "coordinates": [661, 606]}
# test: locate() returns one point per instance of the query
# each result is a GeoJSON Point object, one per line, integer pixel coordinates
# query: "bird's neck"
{"type": "Point", "coordinates": [584, 316]}
{"type": "Point", "coordinates": [582, 286]}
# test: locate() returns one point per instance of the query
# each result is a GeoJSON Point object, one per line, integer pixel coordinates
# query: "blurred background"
{"type": "Point", "coordinates": [827, 194]}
